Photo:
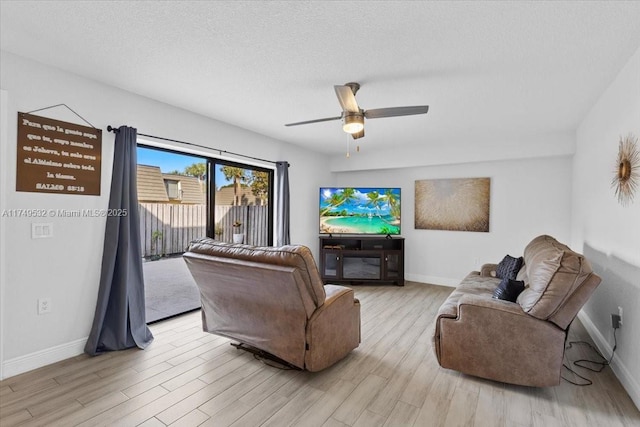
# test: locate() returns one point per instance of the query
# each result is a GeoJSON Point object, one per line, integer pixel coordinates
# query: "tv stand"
{"type": "Point", "coordinates": [362, 259]}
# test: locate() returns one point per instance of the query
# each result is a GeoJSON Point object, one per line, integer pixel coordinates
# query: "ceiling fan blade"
{"type": "Point", "coordinates": [358, 135]}
{"type": "Point", "coordinates": [347, 99]}
{"type": "Point", "coordinates": [314, 121]}
{"type": "Point", "coordinates": [396, 111]}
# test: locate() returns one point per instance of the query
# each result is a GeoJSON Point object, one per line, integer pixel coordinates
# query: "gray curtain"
{"type": "Point", "coordinates": [119, 321]}
{"type": "Point", "coordinates": [282, 210]}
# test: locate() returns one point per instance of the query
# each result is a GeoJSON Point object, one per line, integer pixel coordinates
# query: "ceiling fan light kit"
{"type": "Point", "coordinates": [353, 123]}
{"type": "Point", "coordinates": [353, 116]}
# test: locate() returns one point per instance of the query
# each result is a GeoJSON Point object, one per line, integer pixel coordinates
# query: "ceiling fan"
{"type": "Point", "coordinates": [353, 116]}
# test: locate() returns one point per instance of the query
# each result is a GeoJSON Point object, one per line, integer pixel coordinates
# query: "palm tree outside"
{"type": "Point", "coordinates": [238, 175]}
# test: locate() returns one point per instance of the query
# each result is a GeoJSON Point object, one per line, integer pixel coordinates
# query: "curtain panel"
{"type": "Point", "coordinates": [283, 207]}
{"type": "Point", "coordinates": [119, 321]}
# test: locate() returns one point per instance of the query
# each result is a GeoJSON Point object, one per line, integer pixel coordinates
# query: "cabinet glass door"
{"type": "Point", "coordinates": [331, 264]}
{"type": "Point", "coordinates": [392, 265]}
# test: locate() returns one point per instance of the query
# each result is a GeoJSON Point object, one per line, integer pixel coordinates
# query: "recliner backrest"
{"type": "Point", "coordinates": [297, 256]}
{"type": "Point", "coordinates": [556, 276]}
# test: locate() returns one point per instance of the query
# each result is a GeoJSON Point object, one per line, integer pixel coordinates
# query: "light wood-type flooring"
{"type": "Point", "coordinates": [190, 378]}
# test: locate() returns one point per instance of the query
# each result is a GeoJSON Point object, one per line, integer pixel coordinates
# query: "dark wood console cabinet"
{"type": "Point", "coordinates": [362, 260]}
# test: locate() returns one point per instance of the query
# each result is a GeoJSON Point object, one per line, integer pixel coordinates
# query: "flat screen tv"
{"type": "Point", "coordinates": [360, 210]}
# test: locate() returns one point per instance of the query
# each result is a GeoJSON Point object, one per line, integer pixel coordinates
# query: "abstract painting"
{"type": "Point", "coordinates": [460, 204]}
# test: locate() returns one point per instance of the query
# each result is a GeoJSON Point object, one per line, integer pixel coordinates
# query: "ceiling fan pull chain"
{"type": "Point", "coordinates": [348, 144]}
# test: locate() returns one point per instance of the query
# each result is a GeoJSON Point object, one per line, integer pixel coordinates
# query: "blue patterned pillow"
{"type": "Point", "coordinates": [508, 267]}
{"type": "Point", "coordinates": [508, 290]}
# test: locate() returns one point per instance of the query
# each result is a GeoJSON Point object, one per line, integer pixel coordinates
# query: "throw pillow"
{"type": "Point", "coordinates": [508, 290]}
{"type": "Point", "coordinates": [508, 268]}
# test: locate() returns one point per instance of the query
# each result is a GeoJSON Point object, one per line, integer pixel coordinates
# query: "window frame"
{"type": "Point", "coordinates": [212, 190]}
{"type": "Point", "coordinates": [211, 161]}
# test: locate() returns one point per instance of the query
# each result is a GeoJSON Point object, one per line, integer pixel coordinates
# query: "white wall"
{"type": "Point", "coordinates": [66, 267]}
{"type": "Point", "coordinates": [608, 232]}
{"type": "Point", "coordinates": [528, 197]}
{"type": "Point", "coordinates": [451, 152]}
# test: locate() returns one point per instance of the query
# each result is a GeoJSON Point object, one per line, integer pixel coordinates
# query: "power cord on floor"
{"type": "Point", "coordinates": [581, 362]}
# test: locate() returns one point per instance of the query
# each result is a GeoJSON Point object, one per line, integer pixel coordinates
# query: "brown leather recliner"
{"type": "Point", "coordinates": [522, 342]}
{"type": "Point", "coordinates": [273, 299]}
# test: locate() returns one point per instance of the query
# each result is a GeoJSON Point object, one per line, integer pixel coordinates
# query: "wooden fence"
{"type": "Point", "coordinates": [254, 219]}
{"type": "Point", "coordinates": [167, 228]}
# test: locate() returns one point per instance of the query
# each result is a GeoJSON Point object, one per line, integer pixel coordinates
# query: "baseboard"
{"type": "Point", "coordinates": [442, 281]}
{"type": "Point", "coordinates": [619, 369]}
{"type": "Point", "coordinates": [42, 358]}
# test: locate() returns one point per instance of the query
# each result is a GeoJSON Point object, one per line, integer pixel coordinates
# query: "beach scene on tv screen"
{"type": "Point", "coordinates": [353, 210]}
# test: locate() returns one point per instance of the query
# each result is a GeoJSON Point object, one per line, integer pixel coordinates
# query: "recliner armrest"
{"type": "Point", "coordinates": [488, 270]}
{"type": "Point", "coordinates": [490, 303]}
{"type": "Point", "coordinates": [334, 328]}
{"type": "Point", "coordinates": [336, 291]}
{"type": "Point", "coordinates": [494, 307]}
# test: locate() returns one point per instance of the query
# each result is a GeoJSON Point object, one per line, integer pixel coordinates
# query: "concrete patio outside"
{"type": "Point", "coordinates": [169, 288]}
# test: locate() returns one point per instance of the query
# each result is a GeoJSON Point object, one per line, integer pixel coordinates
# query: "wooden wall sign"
{"type": "Point", "coordinates": [57, 157]}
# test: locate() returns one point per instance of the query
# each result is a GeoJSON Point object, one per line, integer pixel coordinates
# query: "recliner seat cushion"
{"type": "Point", "coordinates": [473, 284]}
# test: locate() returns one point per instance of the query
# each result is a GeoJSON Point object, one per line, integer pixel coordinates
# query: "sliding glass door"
{"type": "Point", "coordinates": [182, 197]}
{"type": "Point", "coordinates": [172, 197]}
{"type": "Point", "coordinates": [172, 202]}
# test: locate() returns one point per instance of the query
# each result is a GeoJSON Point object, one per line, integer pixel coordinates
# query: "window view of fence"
{"type": "Point", "coordinates": [183, 197]}
{"type": "Point", "coordinates": [253, 224]}
{"type": "Point", "coordinates": [167, 229]}
{"type": "Point", "coordinates": [172, 201]}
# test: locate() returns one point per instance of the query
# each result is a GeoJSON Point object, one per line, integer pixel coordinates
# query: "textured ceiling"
{"type": "Point", "coordinates": [484, 68]}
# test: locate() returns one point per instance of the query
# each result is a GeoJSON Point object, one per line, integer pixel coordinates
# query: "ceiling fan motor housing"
{"type": "Point", "coordinates": [353, 86]}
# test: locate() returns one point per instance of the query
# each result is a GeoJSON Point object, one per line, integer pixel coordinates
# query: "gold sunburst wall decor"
{"type": "Point", "coordinates": [627, 171]}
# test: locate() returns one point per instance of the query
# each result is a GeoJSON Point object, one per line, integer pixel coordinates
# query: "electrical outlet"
{"type": "Point", "coordinates": [615, 321]}
{"type": "Point", "coordinates": [44, 305]}
{"type": "Point", "coordinates": [620, 314]}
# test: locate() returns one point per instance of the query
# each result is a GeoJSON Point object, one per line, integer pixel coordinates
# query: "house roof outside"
{"type": "Point", "coordinates": [192, 191]}
{"type": "Point", "coordinates": [152, 187]}
{"type": "Point", "coordinates": [225, 197]}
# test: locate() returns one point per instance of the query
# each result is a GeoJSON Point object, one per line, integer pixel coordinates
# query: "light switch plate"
{"type": "Point", "coordinates": [41, 230]}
